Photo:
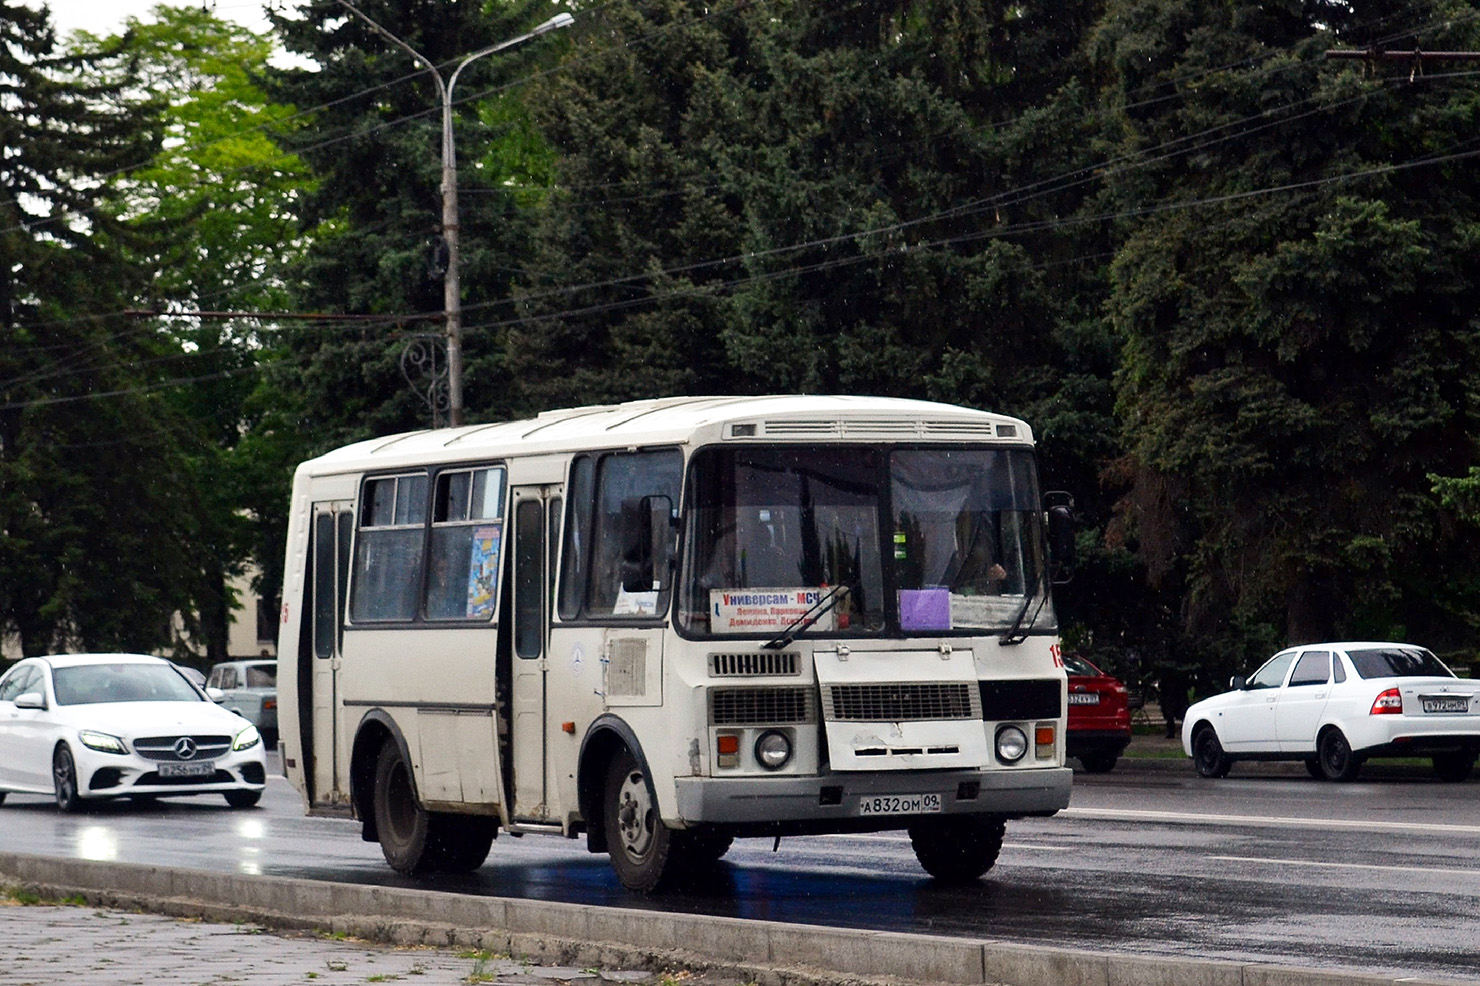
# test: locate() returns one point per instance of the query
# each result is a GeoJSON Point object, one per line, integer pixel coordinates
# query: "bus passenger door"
{"type": "Point", "coordinates": [333, 525]}
{"type": "Point", "coordinates": [536, 516]}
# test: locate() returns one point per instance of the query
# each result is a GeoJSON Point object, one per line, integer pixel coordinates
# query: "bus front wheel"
{"type": "Point", "coordinates": [402, 824]}
{"type": "Point", "coordinates": [959, 848]}
{"type": "Point", "coordinates": [642, 848]}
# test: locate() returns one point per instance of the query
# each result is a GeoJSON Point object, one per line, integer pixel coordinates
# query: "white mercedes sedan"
{"type": "Point", "coordinates": [1334, 706]}
{"type": "Point", "coordinates": [84, 727]}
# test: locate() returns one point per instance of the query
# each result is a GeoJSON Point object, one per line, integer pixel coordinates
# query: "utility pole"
{"type": "Point", "coordinates": [451, 286]}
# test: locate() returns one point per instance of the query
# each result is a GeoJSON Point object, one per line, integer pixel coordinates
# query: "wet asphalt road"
{"type": "Point", "coordinates": [1382, 875]}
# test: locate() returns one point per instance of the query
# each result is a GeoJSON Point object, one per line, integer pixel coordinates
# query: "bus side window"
{"type": "Point", "coordinates": [467, 539]}
{"type": "Point", "coordinates": [387, 576]}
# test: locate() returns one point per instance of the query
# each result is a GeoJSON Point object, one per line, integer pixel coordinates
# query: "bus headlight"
{"type": "Point", "coordinates": [1012, 744]}
{"type": "Point", "coordinates": [773, 750]}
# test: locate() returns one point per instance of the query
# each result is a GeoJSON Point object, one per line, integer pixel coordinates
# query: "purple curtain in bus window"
{"type": "Point", "coordinates": [924, 609]}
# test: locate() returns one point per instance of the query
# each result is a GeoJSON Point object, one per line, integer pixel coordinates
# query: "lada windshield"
{"type": "Point", "coordinates": [924, 541]}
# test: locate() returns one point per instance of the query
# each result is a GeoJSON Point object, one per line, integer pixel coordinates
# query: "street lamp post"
{"type": "Point", "coordinates": [451, 286]}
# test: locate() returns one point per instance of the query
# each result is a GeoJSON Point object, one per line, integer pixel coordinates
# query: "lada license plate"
{"type": "Point", "coordinates": [1084, 698]}
{"type": "Point", "coordinates": [195, 768]}
{"type": "Point", "coordinates": [1445, 703]}
{"type": "Point", "coordinates": [899, 804]}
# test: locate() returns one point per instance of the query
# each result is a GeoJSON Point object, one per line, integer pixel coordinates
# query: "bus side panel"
{"type": "Point", "coordinates": [421, 676]}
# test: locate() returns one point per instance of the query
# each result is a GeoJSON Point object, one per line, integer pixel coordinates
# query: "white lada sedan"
{"type": "Point", "coordinates": [1334, 706]}
{"type": "Point", "coordinates": [95, 726]}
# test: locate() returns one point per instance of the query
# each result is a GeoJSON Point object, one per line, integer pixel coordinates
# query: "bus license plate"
{"type": "Point", "coordinates": [899, 804]}
{"type": "Point", "coordinates": [1445, 703]}
{"type": "Point", "coordinates": [196, 768]}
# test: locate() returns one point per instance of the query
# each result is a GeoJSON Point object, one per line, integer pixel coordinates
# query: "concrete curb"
{"type": "Point", "coordinates": [577, 935]}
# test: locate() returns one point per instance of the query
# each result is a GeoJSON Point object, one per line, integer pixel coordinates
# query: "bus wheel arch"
{"type": "Point", "coordinates": [375, 729]}
{"type": "Point", "coordinates": [604, 741]}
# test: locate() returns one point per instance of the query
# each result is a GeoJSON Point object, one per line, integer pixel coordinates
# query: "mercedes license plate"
{"type": "Point", "coordinates": [194, 768]}
{"type": "Point", "coordinates": [1084, 698]}
{"type": "Point", "coordinates": [1445, 703]}
{"type": "Point", "coordinates": [899, 804]}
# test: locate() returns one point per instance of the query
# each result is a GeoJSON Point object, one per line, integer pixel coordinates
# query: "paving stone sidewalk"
{"type": "Point", "coordinates": [49, 945]}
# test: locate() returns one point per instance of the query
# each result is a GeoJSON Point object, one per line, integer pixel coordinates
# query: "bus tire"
{"type": "Point", "coordinates": [642, 848]}
{"type": "Point", "coordinates": [957, 848]}
{"type": "Point", "coordinates": [404, 827]}
{"type": "Point", "coordinates": [461, 842]}
{"type": "Point", "coordinates": [705, 847]}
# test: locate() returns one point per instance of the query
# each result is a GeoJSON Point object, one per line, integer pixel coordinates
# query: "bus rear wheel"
{"type": "Point", "coordinates": [644, 852]}
{"type": "Point", "coordinates": [960, 848]}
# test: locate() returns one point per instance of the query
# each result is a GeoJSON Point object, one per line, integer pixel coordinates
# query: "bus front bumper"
{"type": "Point", "coordinates": [873, 798]}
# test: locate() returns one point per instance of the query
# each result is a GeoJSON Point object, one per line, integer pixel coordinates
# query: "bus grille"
{"type": "Point", "coordinates": [901, 702]}
{"type": "Point", "coordinates": [753, 665]}
{"type": "Point", "coordinates": [760, 706]}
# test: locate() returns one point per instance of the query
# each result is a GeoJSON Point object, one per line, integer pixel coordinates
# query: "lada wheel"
{"type": "Point", "coordinates": [958, 848]}
{"type": "Point", "coordinates": [1098, 763]}
{"type": "Point", "coordinates": [64, 780]}
{"type": "Point", "coordinates": [1208, 756]}
{"type": "Point", "coordinates": [1334, 753]}
{"type": "Point", "coordinates": [1454, 767]}
{"type": "Point", "coordinates": [642, 849]}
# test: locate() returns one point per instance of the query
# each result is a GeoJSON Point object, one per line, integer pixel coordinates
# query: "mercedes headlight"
{"type": "Point", "coordinates": [246, 739]}
{"type": "Point", "coordinates": [102, 742]}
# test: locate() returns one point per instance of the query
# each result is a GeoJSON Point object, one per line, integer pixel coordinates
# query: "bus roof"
{"type": "Point", "coordinates": [680, 420]}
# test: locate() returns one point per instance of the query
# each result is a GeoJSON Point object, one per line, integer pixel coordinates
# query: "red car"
{"type": "Point", "coordinates": [1099, 716]}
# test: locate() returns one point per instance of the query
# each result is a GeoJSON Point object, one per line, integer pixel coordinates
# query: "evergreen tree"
{"type": "Point", "coordinates": [1296, 319]}
{"type": "Point", "coordinates": [90, 520]}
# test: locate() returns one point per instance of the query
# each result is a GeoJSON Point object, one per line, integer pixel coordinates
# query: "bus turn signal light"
{"type": "Point", "coordinates": [1043, 742]}
{"type": "Point", "coordinates": [728, 745]}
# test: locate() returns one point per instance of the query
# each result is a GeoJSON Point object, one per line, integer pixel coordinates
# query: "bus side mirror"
{"type": "Point", "coordinates": [1061, 549]}
{"type": "Point", "coordinates": [644, 521]}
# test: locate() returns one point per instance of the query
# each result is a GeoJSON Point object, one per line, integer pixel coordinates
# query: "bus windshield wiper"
{"type": "Point", "coordinates": [1017, 633]}
{"type": "Point", "coordinates": [815, 612]}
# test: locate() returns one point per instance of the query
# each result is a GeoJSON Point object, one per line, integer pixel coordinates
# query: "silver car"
{"type": "Point", "coordinates": [248, 688]}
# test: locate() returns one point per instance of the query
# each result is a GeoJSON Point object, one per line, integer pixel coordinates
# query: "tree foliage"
{"type": "Point", "coordinates": [1230, 283]}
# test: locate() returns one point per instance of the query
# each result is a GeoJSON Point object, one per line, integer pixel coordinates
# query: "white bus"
{"type": "Point", "coordinates": [668, 623]}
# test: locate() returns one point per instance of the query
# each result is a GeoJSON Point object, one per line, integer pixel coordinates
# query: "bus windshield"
{"type": "Point", "coordinates": [923, 540]}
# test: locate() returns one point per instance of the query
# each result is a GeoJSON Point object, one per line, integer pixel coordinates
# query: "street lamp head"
{"type": "Point", "coordinates": [555, 23]}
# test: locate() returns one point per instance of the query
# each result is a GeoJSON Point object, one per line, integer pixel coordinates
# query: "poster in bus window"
{"type": "Point", "coordinates": [483, 571]}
